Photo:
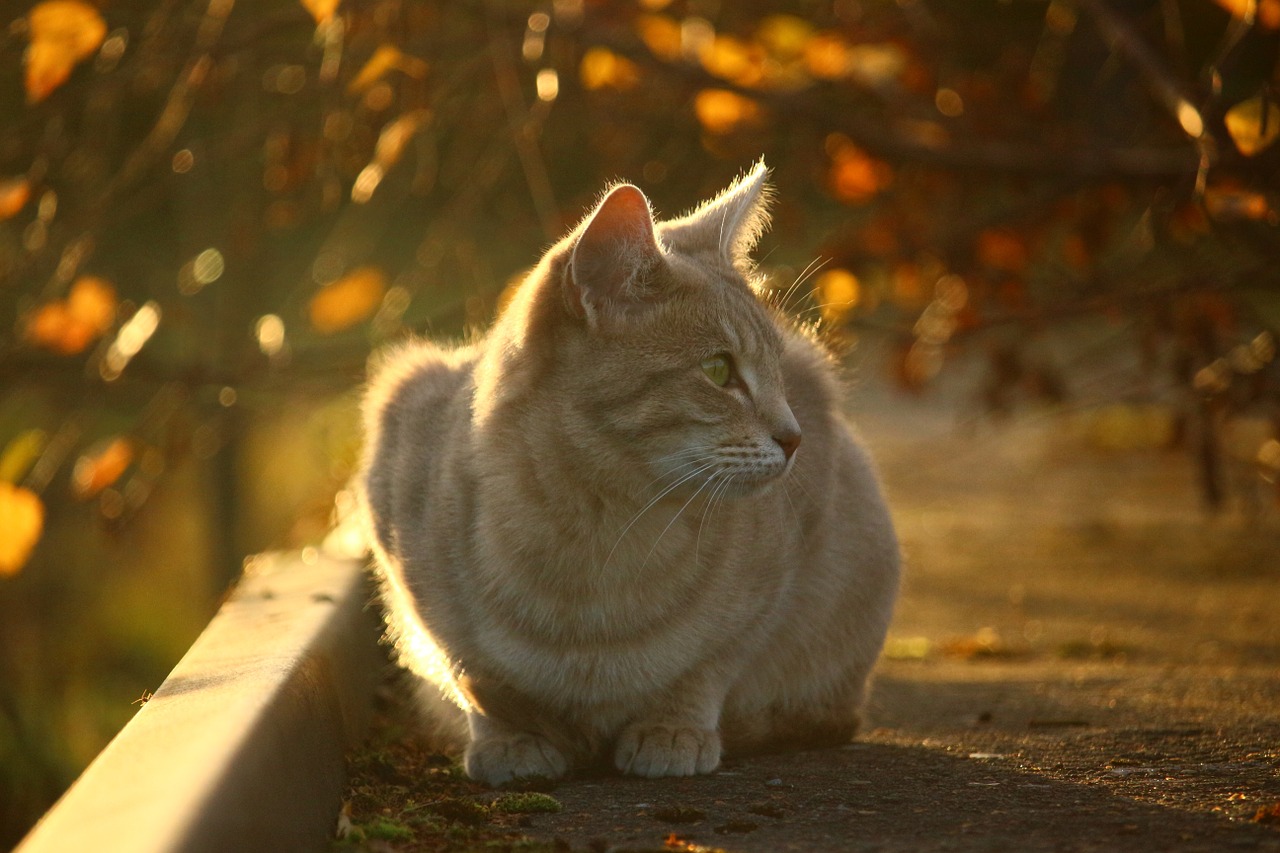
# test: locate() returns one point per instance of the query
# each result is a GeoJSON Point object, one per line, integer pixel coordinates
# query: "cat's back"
{"type": "Point", "coordinates": [416, 413]}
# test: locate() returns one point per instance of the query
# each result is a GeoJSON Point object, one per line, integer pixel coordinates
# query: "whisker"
{"type": "Point", "coordinates": [679, 513]}
{"type": "Point", "coordinates": [656, 498]}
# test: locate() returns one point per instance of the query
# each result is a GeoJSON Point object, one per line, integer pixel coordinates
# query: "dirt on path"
{"type": "Point", "coordinates": [1081, 660]}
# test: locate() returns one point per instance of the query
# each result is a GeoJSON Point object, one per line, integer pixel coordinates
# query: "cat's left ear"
{"type": "Point", "coordinates": [614, 255]}
{"type": "Point", "coordinates": [730, 224]}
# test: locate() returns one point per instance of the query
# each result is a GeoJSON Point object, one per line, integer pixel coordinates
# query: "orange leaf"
{"type": "Point", "coordinates": [1228, 203]}
{"type": "Point", "coordinates": [722, 111]}
{"type": "Point", "coordinates": [92, 301]}
{"type": "Point", "coordinates": [22, 520]}
{"type": "Point", "coordinates": [855, 176]}
{"type": "Point", "coordinates": [785, 36]}
{"type": "Point", "coordinates": [661, 34]}
{"type": "Point", "coordinates": [348, 300]}
{"type": "Point", "coordinates": [101, 466]}
{"type": "Point", "coordinates": [601, 68]}
{"type": "Point", "coordinates": [1002, 250]}
{"type": "Point", "coordinates": [1253, 124]}
{"type": "Point", "coordinates": [385, 59]}
{"type": "Point", "coordinates": [63, 33]}
{"type": "Point", "coordinates": [321, 10]}
{"type": "Point", "coordinates": [837, 292]}
{"type": "Point", "coordinates": [14, 195]}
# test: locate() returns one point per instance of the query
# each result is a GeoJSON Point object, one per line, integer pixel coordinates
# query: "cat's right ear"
{"type": "Point", "coordinates": [614, 255]}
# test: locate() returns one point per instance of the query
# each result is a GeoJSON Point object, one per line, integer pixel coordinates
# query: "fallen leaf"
{"type": "Point", "coordinates": [1268, 814]}
{"type": "Point", "coordinates": [63, 33]}
{"type": "Point", "coordinates": [345, 302]}
{"type": "Point", "coordinates": [1253, 124]}
{"type": "Point", "coordinates": [22, 520]}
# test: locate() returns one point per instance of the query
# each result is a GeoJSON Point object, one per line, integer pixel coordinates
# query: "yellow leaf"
{"type": "Point", "coordinates": [1228, 203]}
{"type": "Point", "coordinates": [14, 195]}
{"type": "Point", "coordinates": [321, 10]}
{"type": "Point", "coordinates": [101, 466]}
{"type": "Point", "coordinates": [92, 301]}
{"type": "Point", "coordinates": [395, 135]}
{"type": "Point", "coordinates": [1000, 249]}
{"type": "Point", "coordinates": [601, 68]}
{"type": "Point", "coordinates": [826, 56]}
{"type": "Point", "coordinates": [385, 59]}
{"type": "Point", "coordinates": [63, 33]}
{"type": "Point", "coordinates": [855, 176]}
{"type": "Point", "coordinates": [837, 292]}
{"type": "Point", "coordinates": [1253, 124]}
{"type": "Point", "coordinates": [733, 59]}
{"type": "Point", "coordinates": [347, 301]}
{"type": "Point", "coordinates": [20, 454]}
{"type": "Point", "coordinates": [722, 111]}
{"type": "Point", "coordinates": [21, 522]}
{"type": "Point", "coordinates": [785, 36]}
{"type": "Point", "coordinates": [661, 34]}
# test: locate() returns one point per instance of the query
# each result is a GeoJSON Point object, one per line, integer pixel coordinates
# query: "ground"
{"type": "Point", "coordinates": [1082, 659]}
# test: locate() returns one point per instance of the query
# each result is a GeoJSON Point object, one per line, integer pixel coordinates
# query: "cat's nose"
{"type": "Point", "coordinates": [788, 440]}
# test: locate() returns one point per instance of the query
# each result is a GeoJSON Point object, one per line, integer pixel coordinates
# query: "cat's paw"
{"type": "Point", "coordinates": [667, 749]}
{"type": "Point", "coordinates": [501, 758]}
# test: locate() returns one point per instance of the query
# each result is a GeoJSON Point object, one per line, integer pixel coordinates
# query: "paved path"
{"type": "Point", "coordinates": [1080, 661]}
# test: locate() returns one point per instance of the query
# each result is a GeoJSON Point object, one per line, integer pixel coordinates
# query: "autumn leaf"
{"type": "Point", "coordinates": [601, 68]}
{"type": "Point", "coordinates": [837, 293]}
{"type": "Point", "coordinates": [321, 10]}
{"type": "Point", "coordinates": [1253, 124]}
{"type": "Point", "coordinates": [661, 34]}
{"type": "Point", "coordinates": [733, 59]}
{"type": "Point", "coordinates": [785, 36]}
{"type": "Point", "coordinates": [68, 326]}
{"type": "Point", "coordinates": [101, 466]}
{"type": "Point", "coordinates": [721, 111]}
{"type": "Point", "coordinates": [385, 59]}
{"type": "Point", "coordinates": [855, 176]}
{"type": "Point", "coordinates": [22, 521]}
{"type": "Point", "coordinates": [14, 195]}
{"type": "Point", "coordinates": [21, 453]}
{"type": "Point", "coordinates": [63, 33]}
{"type": "Point", "coordinates": [999, 249]}
{"type": "Point", "coordinates": [345, 302]}
{"type": "Point", "coordinates": [1232, 203]}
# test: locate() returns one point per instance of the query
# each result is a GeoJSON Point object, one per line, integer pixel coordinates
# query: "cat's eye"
{"type": "Point", "coordinates": [718, 369]}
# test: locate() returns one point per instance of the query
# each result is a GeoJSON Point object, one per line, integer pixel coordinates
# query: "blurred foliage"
{"type": "Point", "coordinates": [210, 212]}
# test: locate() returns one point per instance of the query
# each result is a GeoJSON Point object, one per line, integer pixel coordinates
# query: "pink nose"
{"type": "Point", "coordinates": [788, 441]}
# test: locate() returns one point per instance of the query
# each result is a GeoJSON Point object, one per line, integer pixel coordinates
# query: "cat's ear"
{"type": "Point", "coordinates": [728, 225]}
{"type": "Point", "coordinates": [614, 255]}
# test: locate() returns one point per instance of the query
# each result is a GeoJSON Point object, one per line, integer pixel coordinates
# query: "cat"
{"type": "Point", "coordinates": [630, 523]}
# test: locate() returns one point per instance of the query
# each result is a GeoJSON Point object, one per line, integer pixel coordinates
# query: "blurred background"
{"type": "Point", "coordinates": [1005, 212]}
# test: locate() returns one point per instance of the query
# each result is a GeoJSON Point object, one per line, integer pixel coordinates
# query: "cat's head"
{"type": "Point", "coordinates": [663, 347]}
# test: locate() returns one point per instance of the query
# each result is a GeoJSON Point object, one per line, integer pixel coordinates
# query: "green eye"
{"type": "Point", "coordinates": [717, 369]}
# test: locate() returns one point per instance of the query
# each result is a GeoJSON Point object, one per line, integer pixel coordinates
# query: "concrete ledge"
{"type": "Point", "coordinates": [242, 746]}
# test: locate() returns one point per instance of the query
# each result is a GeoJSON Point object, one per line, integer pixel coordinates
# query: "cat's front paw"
{"type": "Point", "coordinates": [667, 749]}
{"type": "Point", "coordinates": [500, 758]}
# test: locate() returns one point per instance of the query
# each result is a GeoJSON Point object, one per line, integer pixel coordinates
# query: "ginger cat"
{"type": "Point", "coordinates": [630, 523]}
